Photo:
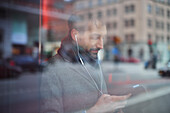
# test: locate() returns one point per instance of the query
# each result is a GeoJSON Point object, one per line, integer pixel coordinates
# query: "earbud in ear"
{"type": "Point", "coordinates": [76, 37]}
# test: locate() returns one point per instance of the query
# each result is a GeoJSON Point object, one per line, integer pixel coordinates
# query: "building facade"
{"type": "Point", "coordinates": [135, 22]}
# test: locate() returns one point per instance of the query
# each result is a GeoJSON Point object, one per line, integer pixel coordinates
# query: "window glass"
{"type": "Point", "coordinates": [149, 8]}
{"type": "Point", "coordinates": [81, 56]}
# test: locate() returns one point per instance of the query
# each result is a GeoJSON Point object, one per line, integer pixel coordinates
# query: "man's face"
{"type": "Point", "coordinates": [92, 39]}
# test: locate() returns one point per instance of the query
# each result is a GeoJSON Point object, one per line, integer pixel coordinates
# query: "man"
{"type": "Point", "coordinates": [73, 81]}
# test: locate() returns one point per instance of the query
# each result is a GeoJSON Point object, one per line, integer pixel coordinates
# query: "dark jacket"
{"type": "Point", "coordinates": [66, 86]}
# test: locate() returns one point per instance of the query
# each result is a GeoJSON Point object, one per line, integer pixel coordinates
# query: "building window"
{"type": "Point", "coordinates": [129, 23]}
{"type": "Point", "coordinates": [168, 27]}
{"type": "Point", "coordinates": [90, 3]}
{"type": "Point", "coordinates": [168, 39]}
{"type": "Point", "coordinates": [108, 12]}
{"type": "Point", "coordinates": [162, 38]}
{"type": "Point", "coordinates": [90, 15]}
{"type": "Point", "coordinates": [126, 9]}
{"type": "Point", "coordinates": [99, 2]}
{"type": "Point", "coordinates": [168, 13]}
{"type": "Point", "coordinates": [149, 23]}
{"type": "Point", "coordinates": [162, 12]}
{"type": "Point", "coordinates": [162, 25]}
{"type": "Point", "coordinates": [99, 14]}
{"type": "Point", "coordinates": [149, 7]}
{"type": "Point", "coordinates": [168, 2]}
{"type": "Point", "coordinates": [109, 1]}
{"type": "Point", "coordinates": [126, 23]}
{"type": "Point", "coordinates": [149, 36]}
{"type": "Point", "coordinates": [130, 38]}
{"type": "Point", "coordinates": [80, 6]}
{"type": "Point", "coordinates": [157, 10]}
{"type": "Point", "coordinates": [108, 26]}
{"type": "Point", "coordinates": [114, 11]}
{"type": "Point", "coordinates": [114, 25]}
{"type": "Point", "coordinates": [132, 22]}
{"type": "Point", "coordinates": [157, 38]}
{"type": "Point", "coordinates": [132, 7]}
{"type": "Point", "coordinates": [157, 25]}
{"type": "Point", "coordinates": [129, 8]}
{"type": "Point", "coordinates": [82, 17]}
{"type": "Point", "coordinates": [115, 1]}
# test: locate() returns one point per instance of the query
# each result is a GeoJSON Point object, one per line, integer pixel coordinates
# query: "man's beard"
{"type": "Point", "coordinates": [92, 54]}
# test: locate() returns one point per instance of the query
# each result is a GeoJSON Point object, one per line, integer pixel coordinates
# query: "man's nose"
{"type": "Point", "coordinates": [100, 44]}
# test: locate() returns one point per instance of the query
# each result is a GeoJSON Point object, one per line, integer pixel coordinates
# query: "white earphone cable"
{"type": "Point", "coordinates": [88, 71]}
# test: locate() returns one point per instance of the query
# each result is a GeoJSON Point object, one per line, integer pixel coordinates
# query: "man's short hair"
{"type": "Point", "coordinates": [72, 22]}
{"type": "Point", "coordinates": [74, 19]}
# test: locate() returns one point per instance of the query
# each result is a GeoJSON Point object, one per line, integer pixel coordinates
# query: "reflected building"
{"type": "Point", "coordinates": [135, 22]}
{"type": "Point", "coordinates": [19, 25]}
{"type": "Point", "coordinates": [22, 22]}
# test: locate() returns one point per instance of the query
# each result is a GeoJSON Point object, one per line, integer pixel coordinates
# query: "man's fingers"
{"type": "Point", "coordinates": [120, 98]}
{"type": "Point", "coordinates": [119, 105]}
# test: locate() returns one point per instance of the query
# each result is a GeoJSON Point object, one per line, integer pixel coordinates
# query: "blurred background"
{"type": "Point", "coordinates": [136, 51]}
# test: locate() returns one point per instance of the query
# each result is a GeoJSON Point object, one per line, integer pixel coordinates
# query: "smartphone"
{"type": "Point", "coordinates": [124, 90]}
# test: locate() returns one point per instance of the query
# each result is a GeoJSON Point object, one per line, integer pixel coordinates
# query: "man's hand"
{"type": "Point", "coordinates": [108, 103]}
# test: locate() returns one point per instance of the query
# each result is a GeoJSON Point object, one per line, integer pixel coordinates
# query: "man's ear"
{"type": "Point", "coordinates": [74, 32]}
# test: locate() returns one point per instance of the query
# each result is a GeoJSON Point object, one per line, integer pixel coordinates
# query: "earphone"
{"type": "Point", "coordinates": [87, 69]}
{"type": "Point", "coordinates": [78, 51]}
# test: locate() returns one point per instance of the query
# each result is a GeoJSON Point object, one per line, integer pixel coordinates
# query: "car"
{"type": "Point", "coordinates": [165, 71]}
{"type": "Point", "coordinates": [26, 62]}
{"type": "Point", "coordinates": [129, 60]}
{"type": "Point", "coordinates": [8, 69]}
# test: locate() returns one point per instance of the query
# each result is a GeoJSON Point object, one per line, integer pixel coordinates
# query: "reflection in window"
{"type": "Point", "coordinates": [132, 22]}
{"type": "Point", "coordinates": [114, 11]}
{"type": "Point", "coordinates": [162, 25]}
{"type": "Point", "coordinates": [149, 23]}
{"type": "Point", "coordinates": [126, 23]}
{"type": "Point", "coordinates": [149, 8]}
{"type": "Point", "coordinates": [82, 17]}
{"type": "Point", "coordinates": [99, 2]}
{"type": "Point", "coordinates": [109, 1]}
{"type": "Point", "coordinates": [99, 14]}
{"type": "Point", "coordinates": [168, 27]}
{"type": "Point", "coordinates": [162, 38]}
{"type": "Point", "coordinates": [149, 36]}
{"type": "Point", "coordinates": [108, 12]}
{"type": "Point", "coordinates": [108, 25]}
{"type": "Point", "coordinates": [129, 8]}
{"type": "Point", "coordinates": [157, 10]}
{"type": "Point", "coordinates": [90, 3]}
{"type": "Point", "coordinates": [168, 13]}
{"type": "Point", "coordinates": [157, 25]}
{"type": "Point", "coordinates": [129, 23]}
{"type": "Point", "coordinates": [80, 6]}
{"type": "Point", "coordinates": [157, 38]}
{"type": "Point", "coordinates": [90, 15]}
{"type": "Point", "coordinates": [168, 39]}
{"type": "Point", "coordinates": [162, 12]}
{"type": "Point", "coordinates": [114, 25]}
{"type": "Point", "coordinates": [130, 38]}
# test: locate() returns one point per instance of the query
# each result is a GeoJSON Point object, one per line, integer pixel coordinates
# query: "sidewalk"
{"type": "Point", "coordinates": [128, 67]}
{"type": "Point", "coordinates": [132, 70]}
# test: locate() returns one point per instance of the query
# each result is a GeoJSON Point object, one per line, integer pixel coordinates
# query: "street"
{"type": "Point", "coordinates": [21, 95]}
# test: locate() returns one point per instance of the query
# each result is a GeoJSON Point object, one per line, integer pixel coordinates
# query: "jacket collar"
{"type": "Point", "coordinates": [68, 51]}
